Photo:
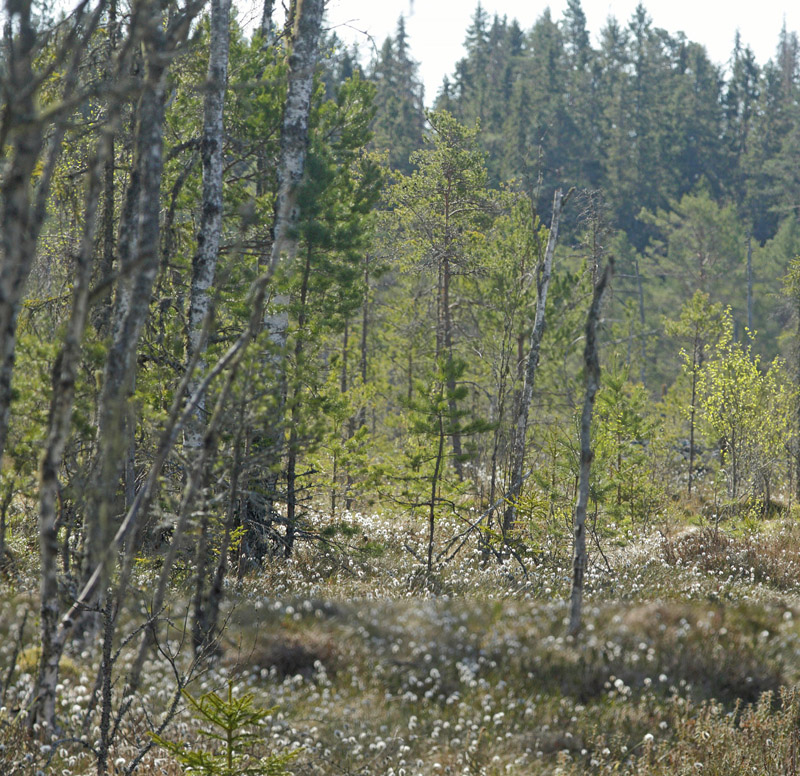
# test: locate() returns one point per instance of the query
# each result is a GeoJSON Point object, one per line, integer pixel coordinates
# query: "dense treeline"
{"type": "Point", "coordinates": [248, 281]}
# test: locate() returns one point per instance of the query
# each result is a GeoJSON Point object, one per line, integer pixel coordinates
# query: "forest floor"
{"type": "Point", "coordinates": [687, 661]}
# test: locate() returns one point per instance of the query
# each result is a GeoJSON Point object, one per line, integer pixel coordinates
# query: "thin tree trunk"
{"type": "Point", "coordinates": [691, 431]}
{"type": "Point", "coordinates": [452, 407]}
{"type": "Point", "coordinates": [102, 313]}
{"type": "Point", "coordinates": [362, 413]}
{"type": "Point", "coordinates": [201, 562]}
{"type": "Point", "coordinates": [291, 464]}
{"type": "Point", "coordinates": [291, 489]}
{"type": "Point", "coordinates": [437, 470]}
{"type": "Point", "coordinates": [106, 677]}
{"type": "Point", "coordinates": [592, 368]}
{"type": "Point", "coordinates": [749, 282]}
{"type": "Point", "coordinates": [23, 208]}
{"type": "Point", "coordinates": [360, 418]}
{"type": "Point", "coordinates": [349, 429]}
{"type": "Point", "coordinates": [204, 264]}
{"type": "Point", "coordinates": [521, 426]}
{"type": "Point", "coordinates": [306, 25]}
{"type": "Point", "coordinates": [797, 403]}
{"type": "Point", "coordinates": [209, 625]}
{"type": "Point", "coordinates": [59, 422]}
{"type": "Point", "coordinates": [5, 565]}
{"type": "Point", "coordinates": [642, 338]}
{"type": "Point", "coordinates": [132, 302]}
{"type": "Point", "coordinates": [266, 22]}
{"type": "Point", "coordinates": [697, 362]}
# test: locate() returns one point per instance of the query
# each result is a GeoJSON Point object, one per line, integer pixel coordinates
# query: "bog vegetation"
{"type": "Point", "coordinates": [341, 436]}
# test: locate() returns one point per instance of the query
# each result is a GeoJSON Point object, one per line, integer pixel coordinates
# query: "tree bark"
{"type": "Point", "coordinates": [294, 131]}
{"type": "Point", "coordinates": [204, 263]}
{"type": "Point", "coordinates": [294, 439]}
{"type": "Point", "coordinates": [102, 313]}
{"type": "Point", "coordinates": [532, 364]}
{"type": "Point", "coordinates": [362, 412]}
{"type": "Point", "coordinates": [306, 26]}
{"type": "Point", "coordinates": [139, 243]}
{"type": "Point", "coordinates": [749, 283]}
{"type": "Point", "coordinates": [592, 368]}
{"type": "Point", "coordinates": [642, 338]}
{"type": "Point", "coordinates": [59, 421]}
{"type": "Point", "coordinates": [451, 381]}
{"type": "Point", "coordinates": [20, 227]}
{"type": "Point", "coordinates": [697, 362]}
{"type": "Point", "coordinates": [797, 401]}
{"type": "Point", "coordinates": [22, 140]}
{"type": "Point", "coordinates": [266, 22]}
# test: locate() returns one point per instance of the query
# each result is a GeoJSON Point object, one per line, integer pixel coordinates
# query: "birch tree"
{"type": "Point", "coordinates": [63, 392]}
{"type": "Point", "coordinates": [138, 262]}
{"type": "Point", "coordinates": [138, 232]}
{"type": "Point", "coordinates": [204, 264]}
{"type": "Point", "coordinates": [303, 57]}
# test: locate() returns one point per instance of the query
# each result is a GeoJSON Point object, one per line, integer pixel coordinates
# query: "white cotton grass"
{"type": "Point", "coordinates": [380, 673]}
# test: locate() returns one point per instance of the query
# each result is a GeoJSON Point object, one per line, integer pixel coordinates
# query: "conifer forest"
{"type": "Point", "coordinates": [346, 436]}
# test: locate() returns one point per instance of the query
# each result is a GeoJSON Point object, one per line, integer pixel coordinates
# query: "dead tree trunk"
{"type": "Point", "coordinates": [521, 427]}
{"type": "Point", "coordinates": [591, 363]}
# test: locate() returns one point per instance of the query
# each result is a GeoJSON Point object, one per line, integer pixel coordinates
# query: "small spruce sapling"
{"type": "Point", "coordinates": [235, 727]}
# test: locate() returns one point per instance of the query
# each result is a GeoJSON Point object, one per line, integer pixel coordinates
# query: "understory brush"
{"type": "Point", "coordinates": [688, 642]}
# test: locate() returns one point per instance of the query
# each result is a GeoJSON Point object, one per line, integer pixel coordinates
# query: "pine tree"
{"type": "Point", "coordinates": [441, 213]}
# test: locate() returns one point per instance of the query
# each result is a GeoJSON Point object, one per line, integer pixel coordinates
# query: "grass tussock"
{"type": "Point", "coordinates": [771, 557]}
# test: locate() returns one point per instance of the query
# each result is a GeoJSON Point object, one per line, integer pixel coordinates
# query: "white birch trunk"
{"type": "Point", "coordinates": [293, 147]}
{"type": "Point", "coordinates": [521, 426]}
{"type": "Point", "coordinates": [205, 260]}
{"type": "Point", "coordinates": [139, 244]}
{"type": "Point", "coordinates": [592, 368]}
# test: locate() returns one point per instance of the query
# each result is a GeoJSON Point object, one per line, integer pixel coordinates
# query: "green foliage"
{"type": "Point", "coordinates": [442, 210]}
{"type": "Point", "coordinates": [399, 118]}
{"type": "Point", "coordinates": [624, 432]}
{"type": "Point", "coordinates": [236, 730]}
{"type": "Point", "coordinates": [698, 245]}
{"type": "Point", "coordinates": [746, 408]}
{"type": "Point", "coordinates": [433, 416]}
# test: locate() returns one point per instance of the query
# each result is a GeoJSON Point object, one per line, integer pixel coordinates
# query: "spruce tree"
{"type": "Point", "coordinates": [399, 113]}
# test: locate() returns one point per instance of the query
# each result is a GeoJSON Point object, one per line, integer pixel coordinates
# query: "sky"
{"type": "Point", "coordinates": [436, 28]}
